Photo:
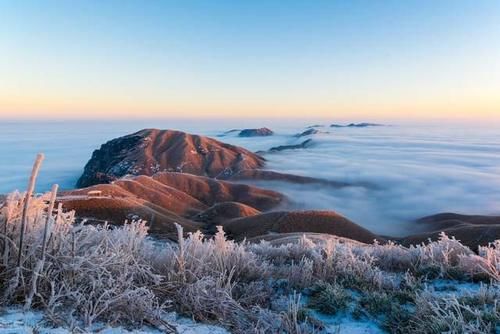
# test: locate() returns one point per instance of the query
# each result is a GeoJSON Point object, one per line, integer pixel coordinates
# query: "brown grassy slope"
{"type": "Point", "coordinates": [210, 191]}
{"type": "Point", "coordinates": [109, 190]}
{"type": "Point", "coordinates": [170, 197]}
{"type": "Point", "coordinates": [162, 195]}
{"type": "Point", "coordinates": [469, 235]}
{"type": "Point", "coordinates": [221, 212]}
{"type": "Point", "coordinates": [453, 219]}
{"type": "Point", "coordinates": [117, 210]}
{"type": "Point", "coordinates": [327, 222]}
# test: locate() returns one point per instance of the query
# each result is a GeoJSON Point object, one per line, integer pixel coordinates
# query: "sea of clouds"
{"type": "Point", "coordinates": [409, 172]}
{"type": "Point", "coordinates": [400, 172]}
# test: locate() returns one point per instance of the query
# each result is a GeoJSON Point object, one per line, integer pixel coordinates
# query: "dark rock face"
{"type": "Point", "coordinates": [109, 162]}
{"type": "Point", "coordinates": [261, 132]}
{"type": "Point", "coordinates": [150, 151]}
{"type": "Point", "coordinates": [363, 125]}
{"type": "Point", "coordinates": [305, 144]}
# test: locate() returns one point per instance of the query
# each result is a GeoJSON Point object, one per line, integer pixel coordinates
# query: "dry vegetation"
{"type": "Point", "coordinates": [81, 274]}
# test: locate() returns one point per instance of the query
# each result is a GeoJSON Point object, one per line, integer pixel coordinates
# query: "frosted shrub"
{"type": "Point", "coordinates": [299, 275]}
{"type": "Point", "coordinates": [208, 277]}
{"type": "Point", "coordinates": [290, 319]}
{"type": "Point", "coordinates": [231, 256]}
{"type": "Point", "coordinates": [287, 253]}
{"type": "Point", "coordinates": [446, 257]}
{"type": "Point", "coordinates": [104, 275]}
{"type": "Point", "coordinates": [208, 299]}
{"type": "Point", "coordinates": [329, 298]}
{"type": "Point", "coordinates": [442, 256]}
{"type": "Point", "coordinates": [485, 264]}
{"type": "Point", "coordinates": [98, 273]}
{"type": "Point", "coordinates": [217, 256]}
{"type": "Point", "coordinates": [354, 269]}
{"type": "Point", "coordinates": [304, 262]}
{"type": "Point", "coordinates": [449, 314]}
{"type": "Point", "coordinates": [391, 256]}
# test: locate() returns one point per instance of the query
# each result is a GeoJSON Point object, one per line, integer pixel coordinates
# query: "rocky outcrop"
{"type": "Point", "coordinates": [309, 132]}
{"type": "Point", "coordinates": [315, 126]}
{"type": "Point", "coordinates": [355, 125]}
{"type": "Point", "coordinates": [305, 144]}
{"type": "Point", "coordinates": [261, 132]}
{"type": "Point", "coordinates": [151, 151]}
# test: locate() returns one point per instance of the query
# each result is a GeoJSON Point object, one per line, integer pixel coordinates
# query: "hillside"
{"type": "Point", "coordinates": [149, 151]}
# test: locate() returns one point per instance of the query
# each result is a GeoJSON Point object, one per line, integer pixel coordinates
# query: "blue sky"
{"type": "Point", "coordinates": [356, 59]}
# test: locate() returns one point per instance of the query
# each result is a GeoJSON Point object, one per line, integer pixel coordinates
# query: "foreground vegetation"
{"type": "Point", "coordinates": [81, 274]}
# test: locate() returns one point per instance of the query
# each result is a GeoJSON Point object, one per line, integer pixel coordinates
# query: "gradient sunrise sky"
{"type": "Point", "coordinates": [345, 59]}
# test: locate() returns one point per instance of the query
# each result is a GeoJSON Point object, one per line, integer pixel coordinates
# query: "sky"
{"type": "Point", "coordinates": [367, 60]}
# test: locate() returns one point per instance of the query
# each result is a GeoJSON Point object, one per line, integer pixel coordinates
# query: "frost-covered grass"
{"type": "Point", "coordinates": [81, 275]}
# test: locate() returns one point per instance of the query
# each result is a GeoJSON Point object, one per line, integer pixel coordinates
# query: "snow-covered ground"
{"type": "Point", "coordinates": [346, 324]}
{"type": "Point", "coordinates": [17, 321]}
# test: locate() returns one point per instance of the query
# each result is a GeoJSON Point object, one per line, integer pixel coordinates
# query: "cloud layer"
{"type": "Point", "coordinates": [416, 170]}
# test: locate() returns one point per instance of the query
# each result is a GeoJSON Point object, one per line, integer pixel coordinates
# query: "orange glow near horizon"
{"type": "Point", "coordinates": [87, 108]}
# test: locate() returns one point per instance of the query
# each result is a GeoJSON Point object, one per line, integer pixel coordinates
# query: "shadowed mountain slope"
{"type": "Point", "coordinates": [471, 230]}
